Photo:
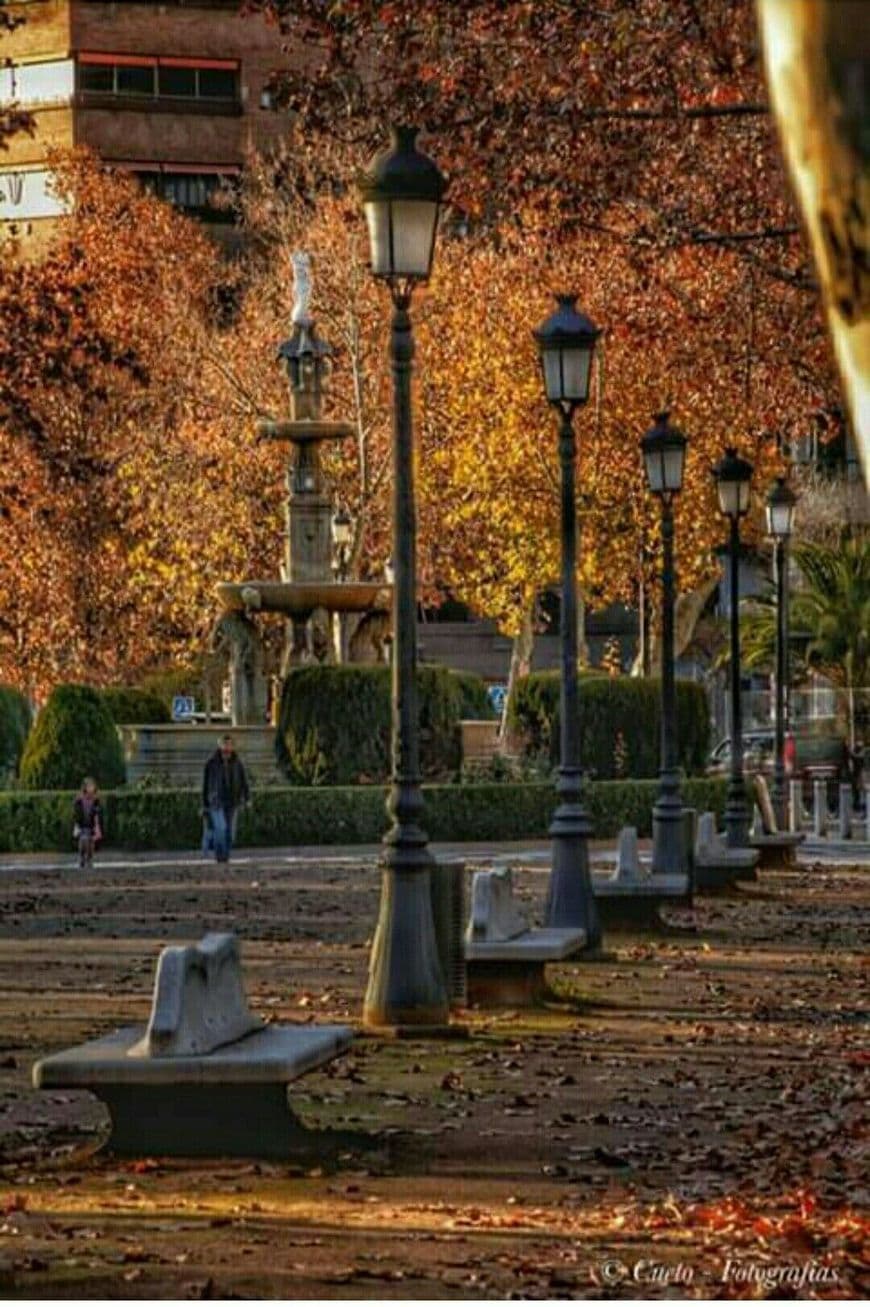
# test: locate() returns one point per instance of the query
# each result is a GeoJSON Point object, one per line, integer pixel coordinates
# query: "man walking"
{"type": "Point", "coordinates": [224, 789]}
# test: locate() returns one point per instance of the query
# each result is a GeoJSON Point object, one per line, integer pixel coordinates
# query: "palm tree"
{"type": "Point", "coordinates": [829, 618]}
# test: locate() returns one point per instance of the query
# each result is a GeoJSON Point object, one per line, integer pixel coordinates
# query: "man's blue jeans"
{"type": "Point", "coordinates": [223, 824]}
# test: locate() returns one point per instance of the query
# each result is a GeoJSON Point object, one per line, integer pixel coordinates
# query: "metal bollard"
{"type": "Point", "coordinates": [844, 814]}
{"type": "Point", "coordinates": [820, 808]}
{"type": "Point", "coordinates": [447, 882]}
{"type": "Point", "coordinates": [690, 835]}
{"type": "Point", "coordinates": [795, 806]}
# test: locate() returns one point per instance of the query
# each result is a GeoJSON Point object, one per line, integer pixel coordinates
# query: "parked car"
{"type": "Point", "coordinates": [757, 753]}
{"type": "Point", "coordinates": [814, 756]}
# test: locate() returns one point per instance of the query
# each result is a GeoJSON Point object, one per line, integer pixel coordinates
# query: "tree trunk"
{"type": "Point", "coordinates": [816, 54]}
{"type": "Point", "coordinates": [521, 662]}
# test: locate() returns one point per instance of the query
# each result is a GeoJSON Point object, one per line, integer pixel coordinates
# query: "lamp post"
{"type": "Point", "coordinates": [664, 454]}
{"type": "Point", "coordinates": [401, 193]}
{"type": "Point", "coordinates": [733, 482]}
{"type": "Point", "coordinates": [780, 507]}
{"type": "Point", "coordinates": [566, 342]}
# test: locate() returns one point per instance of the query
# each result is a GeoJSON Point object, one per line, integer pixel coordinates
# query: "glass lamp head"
{"type": "Point", "coordinates": [664, 456]}
{"type": "Point", "coordinates": [733, 483]}
{"type": "Point", "coordinates": [566, 343]}
{"type": "Point", "coordinates": [402, 190]}
{"type": "Point", "coordinates": [780, 508]}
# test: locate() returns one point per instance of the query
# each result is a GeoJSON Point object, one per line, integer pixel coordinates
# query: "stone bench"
{"type": "Point", "coordinates": [631, 896]}
{"type": "Point", "coordinates": [505, 957]}
{"type": "Point", "coordinates": [776, 848]}
{"type": "Point", "coordinates": [718, 865]}
{"type": "Point", "coordinates": [206, 1077]}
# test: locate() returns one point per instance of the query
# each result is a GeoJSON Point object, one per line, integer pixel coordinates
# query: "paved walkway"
{"type": "Point", "coordinates": [529, 853]}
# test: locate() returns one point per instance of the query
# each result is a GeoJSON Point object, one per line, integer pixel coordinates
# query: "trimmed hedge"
{"type": "Point", "coordinates": [74, 736]}
{"type": "Point", "coordinates": [15, 721]}
{"type": "Point", "coordinates": [334, 725]}
{"type": "Point", "coordinates": [291, 816]}
{"type": "Point", "coordinates": [611, 707]}
{"type": "Point", "coordinates": [474, 701]}
{"type": "Point", "coordinates": [130, 706]}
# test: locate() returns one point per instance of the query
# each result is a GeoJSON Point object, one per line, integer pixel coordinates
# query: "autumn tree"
{"type": "Point", "coordinates": [622, 149]}
{"type": "Point", "coordinates": [126, 493]}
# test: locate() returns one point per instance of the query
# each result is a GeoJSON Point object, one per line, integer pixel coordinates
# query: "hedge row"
{"type": "Point", "coordinates": [292, 817]}
{"type": "Point", "coordinates": [620, 720]}
{"type": "Point", "coordinates": [334, 725]}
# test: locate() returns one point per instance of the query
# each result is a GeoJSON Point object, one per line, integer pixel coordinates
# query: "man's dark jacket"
{"type": "Point", "coordinates": [224, 782]}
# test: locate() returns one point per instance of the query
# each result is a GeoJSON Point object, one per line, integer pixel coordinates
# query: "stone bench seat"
{"type": "Point", "coordinates": [631, 896]}
{"type": "Point", "coordinates": [206, 1077]}
{"type": "Point", "coordinates": [272, 1055]}
{"type": "Point", "coordinates": [719, 865]}
{"type": "Point", "coordinates": [505, 958]}
{"type": "Point", "coordinates": [777, 850]}
{"type": "Point", "coordinates": [541, 944]}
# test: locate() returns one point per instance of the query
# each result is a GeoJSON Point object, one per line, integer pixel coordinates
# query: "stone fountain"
{"type": "Point", "coordinates": [307, 596]}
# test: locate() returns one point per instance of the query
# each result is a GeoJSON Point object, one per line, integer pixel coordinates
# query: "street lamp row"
{"type": "Point", "coordinates": [402, 191]}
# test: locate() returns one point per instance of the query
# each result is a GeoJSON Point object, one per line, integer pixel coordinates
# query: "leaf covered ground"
{"type": "Point", "coordinates": [689, 1122]}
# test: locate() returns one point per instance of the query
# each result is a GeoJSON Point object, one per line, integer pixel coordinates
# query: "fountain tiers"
{"type": "Point", "coordinates": [299, 598]}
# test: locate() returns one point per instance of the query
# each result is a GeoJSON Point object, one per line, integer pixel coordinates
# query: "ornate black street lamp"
{"type": "Point", "coordinates": [780, 507]}
{"type": "Point", "coordinates": [664, 455]}
{"type": "Point", "coordinates": [401, 192]}
{"type": "Point", "coordinates": [733, 483]}
{"type": "Point", "coordinates": [566, 342]}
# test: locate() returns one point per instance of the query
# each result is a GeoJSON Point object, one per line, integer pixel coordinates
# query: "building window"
{"type": "Point", "coordinates": [191, 191]}
{"type": "Point", "coordinates": [216, 83]}
{"type": "Point", "coordinates": [178, 81]}
{"type": "Point", "coordinates": [133, 80]}
{"type": "Point", "coordinates": [189, 80]}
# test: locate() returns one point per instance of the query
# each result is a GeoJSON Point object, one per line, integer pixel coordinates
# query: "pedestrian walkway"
{"type": "Point", "coordinates": [528, 853]}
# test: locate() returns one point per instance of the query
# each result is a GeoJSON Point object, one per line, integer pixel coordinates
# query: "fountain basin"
{"type": "Point", "coordinates": [305, 431]}
{"type": "Point", "coordinates": [300, 597]}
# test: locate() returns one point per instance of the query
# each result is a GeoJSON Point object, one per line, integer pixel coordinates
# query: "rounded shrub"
{"type": "Point", "coordinates": [130, 706]}
{"type": "Point", "coordinates": [15, 722]}
{"type": "Point", "coordinates": [73, 736]}
{"type": "Point", "coordinates": [334, 725]}
{"type": "Point", "coordinates": [620, 723]}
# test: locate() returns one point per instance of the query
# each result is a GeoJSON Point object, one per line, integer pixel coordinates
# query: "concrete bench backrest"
{"type": "Point", "coordinates": [768, 816]}
{"type": "Point", "coordinates": [709, 842]}
{"type": "Point", "coordinates": [199, 1000]}
{"type": "Point", "coordinates": [495, 916]}
{"type": "Point", "coordinates": [627, 857]}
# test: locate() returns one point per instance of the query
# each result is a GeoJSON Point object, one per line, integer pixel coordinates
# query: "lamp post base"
{"type": "Point", "coordinates": [570, 898]}
{"type": "Point", "coordinates": [669, 840]}
{"type": "Point", "coordinates": [737, 817]}
{"type": "Point", "coordinates": [406, 987]}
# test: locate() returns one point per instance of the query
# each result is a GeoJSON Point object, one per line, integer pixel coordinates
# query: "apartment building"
{"type": "Point", "coordinates": [175, 92]}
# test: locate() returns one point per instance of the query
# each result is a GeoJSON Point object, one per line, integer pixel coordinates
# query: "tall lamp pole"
{"type": "Point", "coordinates": [664, 455]}
{"type": "Point", "coordinates": [401, 193]}
{"type": "Point", "coordinates": [733, 483]}
{"type": "Point", "coordinates": [780, 507]}
{"type": "Point", "coordinates": [566, 342]}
